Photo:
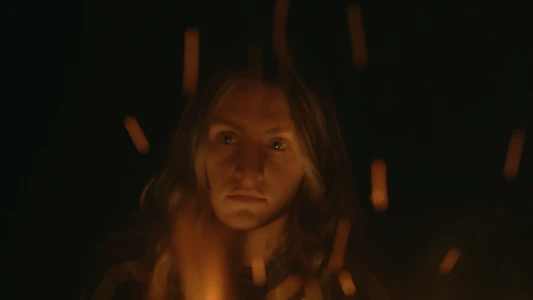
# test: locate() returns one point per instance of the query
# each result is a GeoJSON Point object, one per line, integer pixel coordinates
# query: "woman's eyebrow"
{"type": "Point", "coordinates": [224, 122]}
{"type": "Point", "coordinates": [277, 129]}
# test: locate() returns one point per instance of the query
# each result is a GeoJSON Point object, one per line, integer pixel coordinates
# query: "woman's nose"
{"type": "Point", "coordinates": [250, 162]}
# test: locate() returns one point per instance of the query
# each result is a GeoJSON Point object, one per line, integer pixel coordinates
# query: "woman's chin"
{"type": "Point", "coordinates": [242, 220]}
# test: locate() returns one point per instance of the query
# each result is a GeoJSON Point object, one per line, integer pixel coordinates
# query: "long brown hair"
{"type": "Point", "coordinates": [326, 192]}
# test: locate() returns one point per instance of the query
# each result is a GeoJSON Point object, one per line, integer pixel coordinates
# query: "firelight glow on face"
{"type": "Point", "coordinates": [253, 158]}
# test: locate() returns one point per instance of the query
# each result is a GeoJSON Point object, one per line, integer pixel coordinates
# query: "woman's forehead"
{"type": "Point", "coordinates": [252, 98]}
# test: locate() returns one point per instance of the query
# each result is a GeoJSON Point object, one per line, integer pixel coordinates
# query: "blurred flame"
{"type": "Point", "coordinates": [346, 282]}
{"type": "Point", "coordinates": [136, 134]}
{"type": "Point", "coordinates": [312, 290]}
{"type": "Point", "coordinates": [258, 271]}
{"type": "Point", "coordinates": [339, 245]}
{"type": "Point", "coordinates": [191, 61]}
{"type": "Point", "coordinates": [202, 255]}
{"type": "Point", "coordinates": [216, 269]}
{"type": "Point", "coordinates": [449, 260]}
{"type": "Point", "coordinates": [379, 196]}
{"type": "Point", "coordinates": [514, 153]}
{"type": "Point", "coordinates": [357, 35]}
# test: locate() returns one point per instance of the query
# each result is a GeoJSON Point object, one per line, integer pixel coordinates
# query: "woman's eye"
{"type": "Point", "coordinates": [226, 138]}
{"type": "Point", "coordinates": [278, 144]}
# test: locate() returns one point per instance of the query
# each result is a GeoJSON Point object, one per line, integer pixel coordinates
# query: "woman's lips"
{"type": "Point", "coordinates": [246, 199]}
{"type": "Point", "coordinates": [245, 195]}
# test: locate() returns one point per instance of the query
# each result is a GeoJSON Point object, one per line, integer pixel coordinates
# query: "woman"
{"type": "Point", "coordinates": [256, 200]}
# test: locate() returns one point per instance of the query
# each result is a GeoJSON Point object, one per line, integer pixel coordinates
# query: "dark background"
{"type": "Point", "coordinates": [445, 85]}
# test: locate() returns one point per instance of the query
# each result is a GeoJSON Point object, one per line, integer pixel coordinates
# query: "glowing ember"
{"type": "Point", "coordinates": [514, 154]}
{"type": "Point", "coordinates": [136, 134]}
{"type": "Point", "coordinates": [339, 245]}
{"type": "Point", "coordinates": [379, 196]}
{"type": "Point", "coordinates": [346, 282]}
{"type": "Point", "coordinates": [357, 35]}
{"type": "Point", "coordinates": [191, 61]}
{"type": "Point", "coordinates": [449, 260]}
{"type": "Point", "coordinates": [258, 271]}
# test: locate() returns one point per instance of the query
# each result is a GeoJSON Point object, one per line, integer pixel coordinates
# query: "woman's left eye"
{"type": "Point", "coordinates": [278, 144]}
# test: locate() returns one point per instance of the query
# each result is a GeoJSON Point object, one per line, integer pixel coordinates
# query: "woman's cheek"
{"type": "Point", "coordinates": [281, 163]}
{"type": "Point", "coordinates": [289, 165]}
{"type": "Point", "coordinates": [281, 157]}
{"type": "Point", "coordinates": [220, 153]}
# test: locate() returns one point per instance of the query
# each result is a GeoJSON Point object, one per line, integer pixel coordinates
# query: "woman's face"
{"type": "Point", "coordinates": [253, 160]}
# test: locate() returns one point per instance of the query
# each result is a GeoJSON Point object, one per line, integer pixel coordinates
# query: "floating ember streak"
{"type": "Point", "coordinates": [379, 194]}
{"type": "Point", "coordinates": [279, 37]}
{"type": "Point", "coordinates": [339, 245]}
{"type": "Point", "coordinates": [346, 282]}
{"type": "Point", "coordinates": [136, 134]}
{"type": "Point", "coordinates": [286, 289]}
{"type": "Point", "coordinates": [357, 35]}
{"type": "Point", "coordinates": [449, 261]}
{"type": "Point", "coordinates": [191, 60]}
{"type": "Point", "coordinates": [258, 271]}
{"type": "Point", "coordinates": [514, 153]}
{"type": "Point", "coordinates": [312, 290]}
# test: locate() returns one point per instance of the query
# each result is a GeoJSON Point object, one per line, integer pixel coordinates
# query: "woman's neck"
{"type": "Point", "coordinates": [263, 242]}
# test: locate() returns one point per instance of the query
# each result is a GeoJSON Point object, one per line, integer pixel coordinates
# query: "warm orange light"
{"type": "Point", "coordinates": [514, 154]}
{"type": "Point", "coordinates": [201, 254]}
{"type": "Point", "coordinates": [379, 196]}
{"type": "Point", "coordinates": [258, 271]}
{"type": "Point", "coordinates": [346, 282]}
{"type": "Point", "coordinates": [357, 35]}
{"type": "Point", "coordinates": [312, 290]}
{"type": "Point", "coordinates": [136, 134]}
{"type": "Point", "coordinates": [339, 245]}
{"type": "Point", "coordinates": [449, 260]}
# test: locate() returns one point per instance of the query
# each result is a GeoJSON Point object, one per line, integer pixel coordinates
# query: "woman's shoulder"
{"type": "Point", "coordinates": [126, 280]}
{"type": "Point", "coordinates": [118, 269]}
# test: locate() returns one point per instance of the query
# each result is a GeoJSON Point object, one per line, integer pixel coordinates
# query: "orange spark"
{"type": "Point", "coordinates": [339, 245]}
{"type": "Point", "coordinates": [191, 61]}
{"type": "Point", "coordinates": [346, 282]}
{"type": "Point", "coordinates": [357, 35]}
{"type": "Point", "coordinates": [379, 196]}
{"type": "Point", "coordinates": [136, 134]}
{"type": "Point", "coordinates": [514, 153]}
{"type": "Point", "coordinates": [449, 260]}
{"type": "Point", "coordinates": [258, 271]}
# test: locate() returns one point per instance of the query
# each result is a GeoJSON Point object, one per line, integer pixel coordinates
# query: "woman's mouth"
{"type": "Point", "coordinates": [246, 199]}
{"type": "Point", "coordinates": [247, 196]}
